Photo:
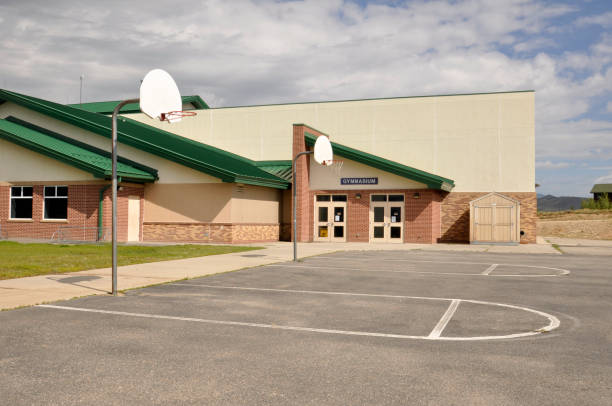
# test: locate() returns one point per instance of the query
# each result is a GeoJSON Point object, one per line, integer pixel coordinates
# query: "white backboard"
{"type": "Point", "coordinates": [323, 152]}
{"type": "Point", "coordinates": [159, 95]}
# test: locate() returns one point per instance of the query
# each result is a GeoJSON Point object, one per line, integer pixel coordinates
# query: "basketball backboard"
{"type": "Point", "coordinates": [159, 96]}
{"type": "Point", "coordinates": [323, 152]}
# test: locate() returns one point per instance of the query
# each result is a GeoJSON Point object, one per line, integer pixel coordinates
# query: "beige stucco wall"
{"type": "Point", "coordinates": [254, 204]}
{"type": "Point", "coordinates": [19, 164]}
{"type": "Point", "coordinates": [168, 171]}
{"type": "Point", "coordinates": [326, 178]}
{"type": "Point", "coordinates": [484, 142]}
{"type": "Point", "coordinates": [176, 203]}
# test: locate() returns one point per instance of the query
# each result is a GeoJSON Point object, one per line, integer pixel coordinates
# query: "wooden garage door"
{"type": "Point", "coordinates": [494, 223]}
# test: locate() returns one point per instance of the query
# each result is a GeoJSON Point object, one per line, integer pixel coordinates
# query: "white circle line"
{"type": "Point", "coordinates": [419, 272]}
{"type": "Point", "coordinates": [552, 325]}
{"type": "Point", "coordinates": [561, 270]}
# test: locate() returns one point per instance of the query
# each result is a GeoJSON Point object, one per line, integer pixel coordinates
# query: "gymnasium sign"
{"type": "Point", "coordinates": [359, 181]}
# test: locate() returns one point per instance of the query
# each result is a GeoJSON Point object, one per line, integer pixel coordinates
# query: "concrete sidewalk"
{"type": "Point", "coordinates": [49, 288]}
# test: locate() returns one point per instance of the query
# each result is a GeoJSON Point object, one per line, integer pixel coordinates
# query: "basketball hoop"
{"type": "Point", "coordinates": [173, 116]}
{"type": "Point", "coordinates": [334, 166]}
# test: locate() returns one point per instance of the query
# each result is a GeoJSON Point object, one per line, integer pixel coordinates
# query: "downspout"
{"type": "Point", "coordinates": [100, 210]}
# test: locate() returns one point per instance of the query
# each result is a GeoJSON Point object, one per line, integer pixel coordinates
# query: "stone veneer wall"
{"type": "Point", "coordinates": [210, 232]}
{"type": "Point", "coordinates": [455, 210]}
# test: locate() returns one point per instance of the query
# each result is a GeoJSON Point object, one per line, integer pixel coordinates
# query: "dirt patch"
{"type": "Point", "coordinates": [584, 214]}
{"type": "Point", "coordinates": [583, 229]}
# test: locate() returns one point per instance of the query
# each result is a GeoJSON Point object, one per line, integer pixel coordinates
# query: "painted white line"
{"type": "Point", "coordinates": [553, 321]}
{"type": "Point", "coordinates": [419, 272]}
{"type": "Point", "coordinates": [450, 312]}
{"type": "Point", "coordinates": [490, 269]}
{"type": "Point", "coordinates": [313, 292]}
{"type": "Point", "coordinates": [232, 323]}
{"type": "Point", "coordinates": [561, 270]}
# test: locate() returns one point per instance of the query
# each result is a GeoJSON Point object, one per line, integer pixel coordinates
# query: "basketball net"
{"type": "Point", "coordinates": [334, 166]}
{"type": "Point", "coordinates": [173, 116]}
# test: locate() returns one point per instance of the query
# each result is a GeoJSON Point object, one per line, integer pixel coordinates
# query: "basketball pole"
{"type": "Point", "coordinates": [295, 202]}
{"type": "Point", "coordinates": [114, 187]}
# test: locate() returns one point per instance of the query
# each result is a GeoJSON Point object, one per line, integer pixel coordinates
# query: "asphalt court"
{"type": "Point", "coordinates": [345, 328]}
{"type": "Point", "coordinates": [353, 312]}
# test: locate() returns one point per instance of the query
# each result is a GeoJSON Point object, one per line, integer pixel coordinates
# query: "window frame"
{"type": "Point", "coordinates": [45, 197]}
{"type": "Point", "coordinates": [31, 198]}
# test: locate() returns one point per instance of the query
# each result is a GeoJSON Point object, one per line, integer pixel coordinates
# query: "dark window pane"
{"type": "Point", "coordinates": [16, 191]}
{"type": "Point", "coordinates": [379, 214]}
{"type": "Point", "coordinates": [26, 191]}
{"type": "Point", "coordinates": [396, 214]}
{"type": "Point", "coordinates": [396, 232]}
{"type": "Point", "coordinates": [379, 198]}
{"type": "Point", "coordinates": [21, 208]}
{"type": "Point", "coordinates": [323, 198]}
{"type": "Point", "coordinates": [323, 231]}
{"type": "Point", "coordinates": [339, 231]}
{"type": "Point", "coordinates": [323, 214]}
{"type": "Point", "coordinates": [62, 191]}
{"type": "Point", "coordinates": [49, 190]}
{"type": "Point", "coordinates": [56, 209]}
{"type": "Point", "coordinates": [339, 198]}
{"type": "Point", "coordinates": [339, 214]}
{"type": "Point", "coordinates": [396, 198]}
{"type": "Point", "coordinates": [379, 232]}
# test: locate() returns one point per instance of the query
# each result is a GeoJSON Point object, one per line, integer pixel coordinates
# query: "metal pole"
{"type": "Point", "coordinates": [114, 187]}
{"type": "Point", "coordinates": [81, 89]}
{"type": "Point", "coordinates": [294, 186]}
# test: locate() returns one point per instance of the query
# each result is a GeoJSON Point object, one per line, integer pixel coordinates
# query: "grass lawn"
{"type": "Point", "coordinates": [18, 260]}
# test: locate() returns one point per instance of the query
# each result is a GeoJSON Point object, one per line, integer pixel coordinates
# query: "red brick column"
{"type": "Point", "coordinates": [303, 200]}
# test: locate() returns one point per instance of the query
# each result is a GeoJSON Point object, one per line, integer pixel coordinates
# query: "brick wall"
{"type": "Point", "coordinates": [455, 211]}
{"type": "Point", "coordinates": [210, 232]}
{"type": "Point", "coordinates": [82, 213]}
{"type": "Point", "coordinates": [421, 216]}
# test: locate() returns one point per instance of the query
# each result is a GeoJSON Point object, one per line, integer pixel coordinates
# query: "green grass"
{"type": "Point", "coordinates": [19, 260]}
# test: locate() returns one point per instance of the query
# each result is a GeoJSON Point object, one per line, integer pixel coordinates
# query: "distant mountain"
{"type": "Point", "coordinates": [554, 203]}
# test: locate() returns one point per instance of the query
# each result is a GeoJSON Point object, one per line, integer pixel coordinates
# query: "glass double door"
{"type": "Point", "coordinates": [330, 218]}
{"type": "Point", "coordinates": [386, 218]}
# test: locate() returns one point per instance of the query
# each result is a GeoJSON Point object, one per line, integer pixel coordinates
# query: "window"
{"type": "Point", "coordinates": [323, 198]}
{"type": "Point", "coordinates": [21, 202]}
{"type": "Point", "coordinates": [56, 203]}
{"type": "Point", "coordinates": [339, 198]}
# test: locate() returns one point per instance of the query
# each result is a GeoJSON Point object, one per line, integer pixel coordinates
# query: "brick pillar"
{"type": "Point", "coordinates": [305, 206]}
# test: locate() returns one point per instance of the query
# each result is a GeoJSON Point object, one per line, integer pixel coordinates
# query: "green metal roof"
{"type": "Point", "coordinates": [602, 188]}
{"type": "Point", "coordinates": [432, 181]}
{"type": "Point", "coordinates": [204, 158]}
{"type": "Point", "coordinates": [107, 107]}
{"type": "Point", "coordinates": [69, 153]}
{"type": "Point", "coordinates": [282, 169]}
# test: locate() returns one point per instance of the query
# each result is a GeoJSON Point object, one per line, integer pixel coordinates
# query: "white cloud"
{"type": "Point", "coordinates": [605, 20]}
{"type": "Point", "coordinates": [256, 51]}
{"type": "Point", "coordinates": [551, 165]}
{"type": "Point", "coordinates": [604, 179]}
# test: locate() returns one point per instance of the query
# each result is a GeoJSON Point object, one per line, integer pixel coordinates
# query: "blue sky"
{"type": "Point", "coordinates": [256, 51]}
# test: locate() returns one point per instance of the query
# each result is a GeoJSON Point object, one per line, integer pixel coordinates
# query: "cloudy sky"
{"type": "Point", "coordinates": [243, 52]}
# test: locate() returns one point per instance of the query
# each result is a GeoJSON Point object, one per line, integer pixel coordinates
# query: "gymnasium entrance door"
{"type": "Point", "coordinates": [330, 218]}
{"type": "Point", "coordinates": [387, 218]}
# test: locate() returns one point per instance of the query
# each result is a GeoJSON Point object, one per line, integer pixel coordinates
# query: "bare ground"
{"type": "Point", "coordinates": [584, 224]}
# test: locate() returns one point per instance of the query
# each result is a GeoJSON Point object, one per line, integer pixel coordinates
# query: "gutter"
{"type": "Point", "coordinates": [100, 209]}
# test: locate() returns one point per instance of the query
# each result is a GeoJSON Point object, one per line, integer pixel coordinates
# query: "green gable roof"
{"type": "Point", "coordinates": [107, 107]}
{"type": "Point", "coordinates": [602, 188]}
{"type": "Point", "coordinates": [70, 153]}
{"type": "Point", "coordinates": [282, 169]}
{"type": "Point", "coordinates": [432, 181]}
{"type": "Point", "coordinates": [204, 158]}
